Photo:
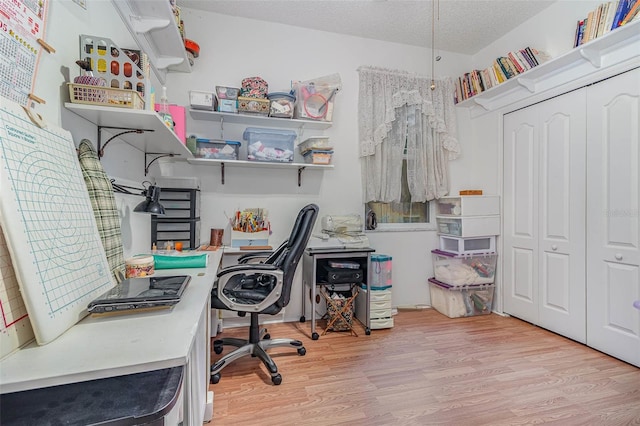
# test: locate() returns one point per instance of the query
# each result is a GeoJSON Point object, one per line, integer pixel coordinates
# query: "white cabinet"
{"type": "Point", "coordinates": [613, 220]}
{"type": "Point", "coordinates": [380, 311]}
{"type": "Point", "coordinates": [571, 222]}
{"type": "Point", "coordinates": [469, 205]}
{"type": "Point", "coordinates": [544, 218]}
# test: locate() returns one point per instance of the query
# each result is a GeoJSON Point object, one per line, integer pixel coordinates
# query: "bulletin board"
{"type": "Point", "coordinates": [48, 223]}
{"type": "Point", "coordinates": [22, 24]}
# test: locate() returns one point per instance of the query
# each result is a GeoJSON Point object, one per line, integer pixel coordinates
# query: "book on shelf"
{"type": "Point", "coordinates": [623, 9]}
{"type": "Point", "coordinates": [631, 14]}
{"type": "Point", "coordinates": [605, 18]}
{"type": "Point", "coordinates": [611, 11]}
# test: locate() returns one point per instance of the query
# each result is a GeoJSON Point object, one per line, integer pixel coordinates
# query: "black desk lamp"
{"type": "Point", "coordinates": [150, 205]}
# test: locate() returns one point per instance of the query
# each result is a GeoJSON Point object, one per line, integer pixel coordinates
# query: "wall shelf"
{"type": "Point", "coordinates": [152, 24]}
{"type": "Point", "coordinates": [256, 164]}
{"type": "Point", "coordinates": [258, 120]}
{"type": "Point", "coordinates": [613, 48]}
{"type": "Point", "coordinates": [157, 138]}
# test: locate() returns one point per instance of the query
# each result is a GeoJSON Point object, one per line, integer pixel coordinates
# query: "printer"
{"type": "Point", "coordinates": [340, 231]}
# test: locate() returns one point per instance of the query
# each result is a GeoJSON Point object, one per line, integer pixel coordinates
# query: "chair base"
{"type": "Point", "coordinates": [256, 346]}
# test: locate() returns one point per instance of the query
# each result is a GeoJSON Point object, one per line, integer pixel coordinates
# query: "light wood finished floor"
{"type": "Point", "coordinates": [429, 369]}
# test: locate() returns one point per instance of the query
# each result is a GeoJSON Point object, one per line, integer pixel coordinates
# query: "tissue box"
{"type": "Point", "coordinates": [240, 239]}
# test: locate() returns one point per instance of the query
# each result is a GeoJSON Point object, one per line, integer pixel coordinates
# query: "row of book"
{"type": "Point", "coordinates": [503, 68]}
{"type": "Point", "coordinates": [605, 18]}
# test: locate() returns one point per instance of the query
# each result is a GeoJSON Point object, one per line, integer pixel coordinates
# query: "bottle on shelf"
{"type": "Point", "coordinates": [164, 112]}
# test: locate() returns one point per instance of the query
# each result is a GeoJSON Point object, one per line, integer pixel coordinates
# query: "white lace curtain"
{"type": "Point", "coordinates": [397, 106]}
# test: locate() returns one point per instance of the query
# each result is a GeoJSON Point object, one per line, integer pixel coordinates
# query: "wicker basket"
{"type": "Point", "coordinates": [105, 96]}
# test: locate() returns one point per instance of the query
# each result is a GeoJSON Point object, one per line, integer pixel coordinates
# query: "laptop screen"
{"type": "Point", "coordinates": [143, 292]}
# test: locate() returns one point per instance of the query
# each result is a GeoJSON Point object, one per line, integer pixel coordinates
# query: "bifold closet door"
{"type": "Point", "coordinates": [544, 214]}
{"type": "Point", "coordinates": [613, 227]}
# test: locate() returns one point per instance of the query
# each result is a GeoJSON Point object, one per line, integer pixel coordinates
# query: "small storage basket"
{"type": "Point", "coordinates": [105, 96]}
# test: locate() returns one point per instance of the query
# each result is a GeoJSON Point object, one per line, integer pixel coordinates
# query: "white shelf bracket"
{"type": "Point", "coordinates": [165, 62]}
{"type": "Point", "coordinates": [143, 25]}
{"type": "Point", "coordinates": [592, 56]}
{"type": "Point", "coordinates": [482, 102]}
{"type": "Point", "coordinates": [528, 84]}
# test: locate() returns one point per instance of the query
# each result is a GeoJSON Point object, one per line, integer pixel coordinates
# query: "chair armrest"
{"type": "Point", "coordinates": [254, 257]}
{"type": "Point", "coordinates": [247, 268]}
{"type": "Point", "coordinates": [237, 274]}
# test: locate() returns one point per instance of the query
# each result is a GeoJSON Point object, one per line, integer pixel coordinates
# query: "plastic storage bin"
{"type": "Point", "coordinates": [380, 272]}
{"type": "Point", "coordinates": [319, 143]}
{"type": "Point", "coordinates": [470, 226]}
{"type": "Point", "coordinates": [223, 92]}
{"type": "Point", "coordinates": [317, 157]}
{"type": "Point", "coordinates": [471, 205]}
{"type": "Point", "coordinates": [281, 104]}
{"type": "Point", "coordinates": [457, 302]}
{"type": "Point", "coordinates": [464, 269]}
{"type": "Point", "coordinates": [468, 245]}
{"type": "Point", "coordinates": [272, 145]}
{"type": "Point", "coordinates": [217, 149]}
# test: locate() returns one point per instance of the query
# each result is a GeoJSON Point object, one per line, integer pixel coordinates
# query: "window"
{"type": "Point", "coordinates": [390, 215]}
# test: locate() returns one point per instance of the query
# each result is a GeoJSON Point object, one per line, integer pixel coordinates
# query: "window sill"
{"type": "Point", "coordinates": [427, 227]}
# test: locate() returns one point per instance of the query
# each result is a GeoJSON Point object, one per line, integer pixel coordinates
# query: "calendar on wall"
{"type": "Point", "coordinates": [22, 24]}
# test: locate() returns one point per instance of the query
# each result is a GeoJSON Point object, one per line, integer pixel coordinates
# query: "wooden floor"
{"type": "Point", "coordinates": [429, 369]}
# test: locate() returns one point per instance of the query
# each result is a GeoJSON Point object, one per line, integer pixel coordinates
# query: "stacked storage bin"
{"type": "Point", "coordinates": [465, 265]}
{"type": "Point", "coordinates": [181, 221]}
{"type": "Point", "coordinates": [380, 287]}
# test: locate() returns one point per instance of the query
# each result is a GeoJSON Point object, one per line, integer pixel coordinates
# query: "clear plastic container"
{"type": "Point", "coordinates": [271, 145]}
{"type": "Point", "coordinates": [217, 149]}
{"type": "Point", "coordinates": [457, 302]}
{"type": "Point", "coordinates": [464, 269]}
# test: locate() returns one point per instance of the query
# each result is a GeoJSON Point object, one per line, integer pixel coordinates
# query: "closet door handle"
{"type": "Point", "coordinates": [618, 256]}
{"type": "Point", "coordinates": [554, 247]}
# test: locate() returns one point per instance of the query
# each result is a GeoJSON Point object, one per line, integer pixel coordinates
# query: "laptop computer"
{"type": "Point", "coordinates": [141, 294]}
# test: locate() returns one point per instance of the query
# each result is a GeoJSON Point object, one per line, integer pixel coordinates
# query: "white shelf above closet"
{"type": "Point", "coordinates": [152, 24]}
{"type": "Point", "coordinates": [613, 48]}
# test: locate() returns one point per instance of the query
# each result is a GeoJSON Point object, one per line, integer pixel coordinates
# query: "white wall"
{"type": "Point", "coordinates": [239, 48]}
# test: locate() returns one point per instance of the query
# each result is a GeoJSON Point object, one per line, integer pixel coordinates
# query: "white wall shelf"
{"type": "Point", "coordinates": [256, 164]}
{"type": "Point", "coordinates": [613, 48]}
{"type": "Point", "coordinates": [258, 120]}
{"type": "Point", "coordinates": [157, 138]}
{"type": "Point", "coordinates": [152, 24]}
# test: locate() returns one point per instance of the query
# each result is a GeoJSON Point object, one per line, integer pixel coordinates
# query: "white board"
{"type": "Point", "coordinates": [48, 222]}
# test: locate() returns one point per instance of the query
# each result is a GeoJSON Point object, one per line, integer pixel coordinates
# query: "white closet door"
{"type": "Point", "coordinates": [544, 214]}
{"type": "Point", "coordinates": [613, 227]}
{"type": "Point", "coordinates": [520, 257]}
{"type": "Point", "coordinates": [561, 212]}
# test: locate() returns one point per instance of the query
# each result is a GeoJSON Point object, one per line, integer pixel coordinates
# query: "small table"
{"type": "Point", "coordinates": [316, 258]}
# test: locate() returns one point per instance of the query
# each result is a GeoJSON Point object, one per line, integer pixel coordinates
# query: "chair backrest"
{"type": "Point", "coordinates": [292, 253]}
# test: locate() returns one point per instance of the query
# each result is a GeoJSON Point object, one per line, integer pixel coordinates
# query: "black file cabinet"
{"type": "Point", "coordinates": [181, 221]}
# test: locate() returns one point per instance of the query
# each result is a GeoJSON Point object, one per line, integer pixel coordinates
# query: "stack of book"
{"type": "Point", "coordinates": [502, 69]}
{"type": "Point", "coordinates": [606, 17]}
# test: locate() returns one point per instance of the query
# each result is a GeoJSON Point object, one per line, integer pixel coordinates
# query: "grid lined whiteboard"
{"type": "Point", "coordinates": [48, 222]}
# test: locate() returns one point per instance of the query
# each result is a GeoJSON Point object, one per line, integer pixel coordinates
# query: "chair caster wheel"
{"type": "Point", "coordinates": [266, 337]}
{"type": "Point", "coordinates": [367, 331]}
{"type": "Point", "coordinates": [315, 336]}
{"type": "Point", "coordinates": [215, 378]}
{"type": "Point", "coordinates": [217, 349]}
{"type": "Point", "coordinates": [302, 351]}
{"type": "Point", "coordinates": [277, 379]}
{"type": "Point", "coordinates": [302, 319]}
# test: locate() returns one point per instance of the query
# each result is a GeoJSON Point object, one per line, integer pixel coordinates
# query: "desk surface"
{"type": "Point", "coordinates": [337, 250]}
{"type": "Point", "coordinates": [97, 348]}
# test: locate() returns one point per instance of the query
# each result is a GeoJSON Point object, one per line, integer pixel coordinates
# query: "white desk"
{"type": "Point", "coordinates": [103, 347]}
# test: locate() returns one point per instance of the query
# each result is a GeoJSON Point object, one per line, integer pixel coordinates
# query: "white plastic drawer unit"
{"type": "Point", "coordinates": [379, 308]}
{"type": "Point", "coordinates": [468, 205]}
{"type": "Point", "coordinates": [470, 245]}
{"type": "Point", "coordinates": [469, 226]}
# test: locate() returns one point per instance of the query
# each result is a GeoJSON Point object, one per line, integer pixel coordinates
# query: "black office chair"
{"type": "Point", "coordinates": [263, 288]}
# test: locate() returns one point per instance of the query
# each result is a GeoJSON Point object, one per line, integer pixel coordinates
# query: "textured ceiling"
{"type": "Point", "coordinates": [464, 26]}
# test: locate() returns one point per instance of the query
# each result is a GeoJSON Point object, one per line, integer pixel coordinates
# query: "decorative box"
{"type": "Point", "coordinates": [227, 105]}
{"type": "Point", "coordinates": [253, 105]}
{"type": "Point", "coordinates": [240, 239]}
